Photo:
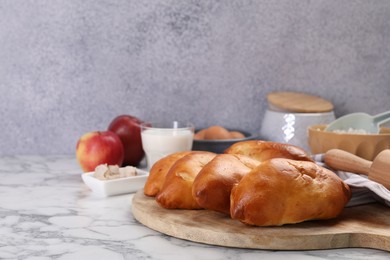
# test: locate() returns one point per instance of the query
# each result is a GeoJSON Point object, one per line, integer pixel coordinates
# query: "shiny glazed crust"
{"type": "Point", "coordinates": [212, 186]}
{"type": "Point", "coordinates": [176, 192]}
{"type": "Point", "coordinates": [264, 150]}
{"type": "Point", "coordinates": [159, 171]}
{"type": "Point", "coordinates": [283, 191]}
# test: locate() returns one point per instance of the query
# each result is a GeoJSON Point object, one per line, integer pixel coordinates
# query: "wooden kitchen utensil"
{"type": "Point", "coordinates": [377, 170]}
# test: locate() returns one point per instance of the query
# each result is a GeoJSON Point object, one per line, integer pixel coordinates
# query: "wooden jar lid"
{"type": "Point", "coordinates": [298, 102]}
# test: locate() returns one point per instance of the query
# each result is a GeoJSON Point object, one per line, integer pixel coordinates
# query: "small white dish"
{"type": "Point", "coordinates": [118, 186]}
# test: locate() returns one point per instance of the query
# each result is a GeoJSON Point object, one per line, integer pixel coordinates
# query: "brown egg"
{"type": "Point", "coordinates": [216, 133]}
{"type": "Point", "coordinates": [236, 135]}
{"type": "Point", "coordinates": [200, 134]}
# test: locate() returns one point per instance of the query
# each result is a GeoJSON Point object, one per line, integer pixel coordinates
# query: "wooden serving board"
{"type": "Point", "coordinates": [362, 226]}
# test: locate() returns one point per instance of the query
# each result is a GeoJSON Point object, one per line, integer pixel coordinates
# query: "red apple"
{"type": "Point", "coordinates": [95, 148]}
{"type": "Point", "coordinates": [129, 131]}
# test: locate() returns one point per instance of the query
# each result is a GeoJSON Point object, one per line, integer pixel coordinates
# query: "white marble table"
{"type": "Point", "coordinates": [46, 212]}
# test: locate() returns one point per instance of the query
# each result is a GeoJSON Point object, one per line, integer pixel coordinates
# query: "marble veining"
{"type": "Point", "coordinates": [46, 212]}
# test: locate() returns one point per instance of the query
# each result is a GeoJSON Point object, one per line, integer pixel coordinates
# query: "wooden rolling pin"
{"type": "Point", "coordinates": [377, 170]}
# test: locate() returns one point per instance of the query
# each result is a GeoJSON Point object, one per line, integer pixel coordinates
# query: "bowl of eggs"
{"type": "Point", "coordinates": [217, 139]}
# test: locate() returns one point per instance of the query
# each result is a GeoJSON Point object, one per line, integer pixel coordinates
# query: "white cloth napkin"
{"type": "Point", "coordinates": [363, 190]}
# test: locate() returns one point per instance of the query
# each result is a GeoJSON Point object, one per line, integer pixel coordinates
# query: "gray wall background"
{"type": "Point", "coordinates": [68, 67]}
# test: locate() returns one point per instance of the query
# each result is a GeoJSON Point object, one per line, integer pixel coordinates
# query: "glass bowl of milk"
{"type": "Point", "coordinates": [162, 139]}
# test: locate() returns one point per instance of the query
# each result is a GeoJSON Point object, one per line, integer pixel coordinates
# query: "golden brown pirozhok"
{"type": "Point", "coordinates": [257, 182]}
{"type": "Point", "coordinates": [283, 191]}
